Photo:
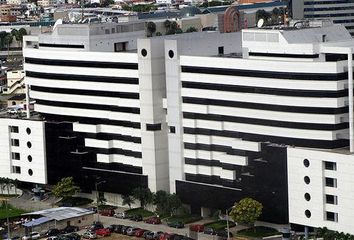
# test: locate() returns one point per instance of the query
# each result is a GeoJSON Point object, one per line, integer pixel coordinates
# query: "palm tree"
{"type": "Point", "coordinates": [128, 200]}
{"type": "Point", "coordinates": [8, 40]}
{"type": "Point", "coordinates": [151, 28]}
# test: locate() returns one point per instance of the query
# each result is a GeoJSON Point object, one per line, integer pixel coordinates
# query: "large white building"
{"type": "Point", "coordinates": [213, 117]}
{"type": "Point", "coordinates": [340, 11]}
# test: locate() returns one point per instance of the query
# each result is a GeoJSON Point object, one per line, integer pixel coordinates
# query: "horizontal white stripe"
{"type": "Point", "coordinates": [108, 72]}
{"type": "Point", "coordinates": [265, 130]}
{"type": "Point", "coordinates": [89, 142]}
{"type": "Point", "coordinates": [73, 98]}
{"type": "Point", "coordinates": [78, 112]}
{"type": "Point", "coordinates": [82, 56]}
{"type": "Point", "coordinates": [213, 155]}
{"type": "Point", "coordinates": [101, 128]}
{"type": "Point", "coordinates": [210, 171]}
{"type": "Point", "coordinates": [265, 99]}
{"type": "Point", "coordinates": [264, 82]}
{"type": "Point", "coordinates": [127, 160]}
{"type": "Point", "coordinates": [82, 85]}
{"type": "Point", "coordinates": [264, 114]}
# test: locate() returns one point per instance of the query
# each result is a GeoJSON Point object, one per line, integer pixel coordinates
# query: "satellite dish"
{"type": "Point", "coordinates": [260, 23]}
{"type": "Point", "coordinates": [57, 22]}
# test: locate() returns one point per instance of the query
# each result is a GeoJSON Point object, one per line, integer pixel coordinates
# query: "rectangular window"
{"type": "Point", "coordinates": [13, 129]}
{"type": "Point", "coordinates": [331, 216]}
{"type": "Point", "coordinates": [15, 142]}
{"type": "Point", "coordinates": [220, 50]}
{"type": "Point", "coordinates": [16, 169]}
{"type": "Point", "coordinates": [330, 166]}
{"type": "Point", "coordinates": [172, 129]}
{"type": "Point", "coordinates": [331, 199]}
{"type": "Point", "coordinates": [15, 156]}
{"type": "Point", "coordinates": [331, 182]}
{"type": "Point", "coordinates": [153, 127]}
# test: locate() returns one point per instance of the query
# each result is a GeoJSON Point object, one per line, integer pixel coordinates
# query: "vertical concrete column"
{"type": "Point", "coordinates": [350, 93]}
{"type": "Point", "coordinates": [152, 90]}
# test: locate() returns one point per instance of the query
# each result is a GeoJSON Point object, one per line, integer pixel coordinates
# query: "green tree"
{"type": "Point", "coordinates": [158, 34]}
{"type": "Point", "coordinates": [2, 38]}
{"type": "Point", "coordinates": [7, 41]}
{"type": "Point", "coordinates": [150, 28]}
{"type": "Point", "coordinates": [174, 203]}
{"type": "Point", "coordinates": [161, 201]}
{"type": "Point", "coordinates": [167, 24]}
{"type": "Point", "coordinates": [128, 200]}
{"type": "Point", "coordinates": [246, 211]}
{"type": "Point", "coordinates": [191, 29]}
{"type": "Point", "coordinates": [65, 188]}
{"type": "Point", "coordinates": [144, 195]}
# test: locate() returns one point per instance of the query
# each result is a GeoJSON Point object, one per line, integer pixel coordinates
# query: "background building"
{"type": "Point", "coordinates": [341, 12]}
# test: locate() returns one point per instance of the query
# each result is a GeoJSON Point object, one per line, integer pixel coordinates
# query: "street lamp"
{"type": "Point", "coordinates": [97, 196]}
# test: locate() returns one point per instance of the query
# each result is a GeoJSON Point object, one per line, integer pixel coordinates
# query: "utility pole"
{"type": "Point", "coordinates": [227, 225]}
{"type": "Point", "coordinates": [97, 196]}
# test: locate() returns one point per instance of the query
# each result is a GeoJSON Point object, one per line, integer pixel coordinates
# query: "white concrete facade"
{"type": "Point", "coordinates": [23, 154]}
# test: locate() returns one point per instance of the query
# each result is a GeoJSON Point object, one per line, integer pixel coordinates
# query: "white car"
{"type": "Point", "coordinates": [32, 236]}
{"type": "Point", "coordinates": [121, 215]}
{"type": "Point", "coordinates": [12, 110]}
{"type": "Point", "coordinates": [89, 235]}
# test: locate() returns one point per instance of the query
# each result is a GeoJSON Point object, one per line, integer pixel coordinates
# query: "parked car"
{"type": "Point", "coordinates": [223, 234]}
{"type": "Point", "coordinates": [103, 232]}
{"type": "Point", "coordinates": [146, 233]}
{"type": "Point", "coordinates": [153, 220]}
{"type": "Point", "coordinates": [164, 236]}
{"type": "Point", "coordinates": [63, 237]}
{"type": "Point", "coordinates": [89, 235]}
{"type": "Point", "coordinates": [32, 236]}
{"type": "Point", "coordinates": [70, 229]}
{"type": "Point", "coordinates": [153, 235]}
{"type": "Point", "coordinates": [137, 218]}
{"type": "Point", "coordinates": [131, 231]}
{"type": "Point", "coordinates": [52, 232]}
{"type": "Point", "coordinates": [107, 212]}
{"type": "Point", "coordinates": [140, 232]}
{"type": "Point", "coordinates": [93, 209]}
{"type": "Point", "coordinates": [197, 227]}
{"type": "Point", "coordinates": [122, 215]}
{"type": "Point", "coordinates": [209, 231]}
{"type": "Point", "coordinates": [52, 238]}
{"type": "Point", "coordinates": [115, 228]}
{"type": "Point", "coordinates": [177, 224]}
{"type": "Point", "coordinates": [124, 229]}
{"type": "Point", "coordinates": [73, 236]}
{"type": "Point", "coordinates": [95, 226]}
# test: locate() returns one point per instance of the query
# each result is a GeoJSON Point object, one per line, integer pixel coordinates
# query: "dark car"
{"type": "Point", "coordinates": [52, 232]}
{"type": "Point", "coordinates": [177, 224]}
{"type": "Point", "coordinates": [146, 233]}
{"type": "Point", "coordinates": [131, 231]}
{"type": "Point", "coordinates": [136, 218]}
{"type": "Point", "coordinates": [95, 226]}
{"type": "Point", "coordinates": [223, 234]}
{"type": "Point", "coordinates": [70, 229]}
{"type": "Point", "coordinates": [107, 212]}
{"type": "Point", "coordinates": [124, 229]}
{"type": "Point", "coordinates": [115, 228]}
{"type": "Point", "coordinates": [209, 231]}
{"type": "Point", "coordinates": [197, 227]}
{"type": "Point", "coordinates": [153, 235]}
{"type": "Point", "coordinates": [74, 236]}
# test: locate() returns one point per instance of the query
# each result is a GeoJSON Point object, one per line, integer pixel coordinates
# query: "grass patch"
{"type": "Point", "coordinates": [12, 211]}
{"type": "Point", "coordinates": [184, 218]}
{"type": "Point", "coordinates": [260, 232]}
{"type": "Point", "coordinates": [74, 201]}
{"type": "Point", "coordinates": [142, 212]}
{"type": "Point", "coordinates": [219, 225]}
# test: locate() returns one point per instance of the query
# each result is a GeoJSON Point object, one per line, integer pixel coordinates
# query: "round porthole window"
{"type": "Point", "coordinates": [29, 158]}
{"type": "Point", "coordinates": [29, 144]}
{"type": "Point", "coordinates": [306, 163]}
{"type": "Point", "coordinates": [171, 54]}
{"type": "Point", "coordinates": [306, 179]}
{"type": "Point", "coordinates": [144, 52]}
{"type": "Point", "coordinates": [307, 197]}
{"type": "Point", "coordinates": [28, 130]}
{"type": "Point", "coordinates": [30, 172]}
{"type": "Point", "coordinates": [308, 213]}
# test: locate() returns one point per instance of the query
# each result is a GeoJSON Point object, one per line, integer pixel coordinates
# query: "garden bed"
{"type": "Point", "coordinates": [258, 232]}
{"type": "Point", "coordinates": [11, 212]}
{"type": "Point", "coordinates": [140, 211]}
{"type": "Point", "coordinates": [184, 218]}
{"type": "Point", "coordinates": [219, 225]}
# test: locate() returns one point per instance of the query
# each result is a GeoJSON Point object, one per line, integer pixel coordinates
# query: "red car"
{"type": "Point", "coordinates": [153, 220]}
{"type": "Point", "coordinates": [197, 228]}
{"type": "Point", "coordinates": [140, 232]}
{"type": "Point", "coordinates": [107, 212]}
{"type": "Point", "coordinates": [164, 236]}
{"type": "Point", "coordinates": [103, 232]}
